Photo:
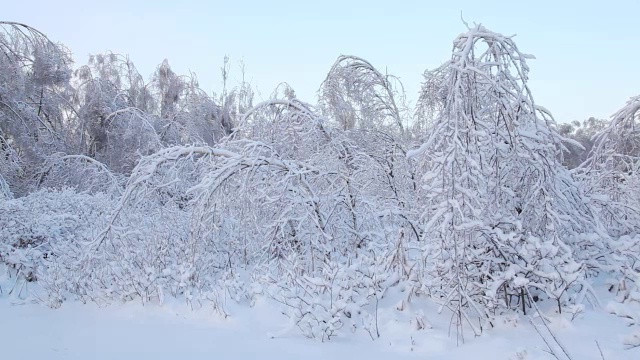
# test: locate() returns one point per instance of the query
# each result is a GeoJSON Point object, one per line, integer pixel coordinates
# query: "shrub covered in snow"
{"type": "Point", "coordinates": [37, 230]}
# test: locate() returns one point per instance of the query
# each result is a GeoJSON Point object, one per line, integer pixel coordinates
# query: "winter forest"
{"type": "Point", "coordinates": [471, 208]}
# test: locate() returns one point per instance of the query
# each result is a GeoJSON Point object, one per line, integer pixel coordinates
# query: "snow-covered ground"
{"type": "Point", "coordinates": [170, 331]}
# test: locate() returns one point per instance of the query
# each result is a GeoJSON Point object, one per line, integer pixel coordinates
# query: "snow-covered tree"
{"type": "Point", "coordinates": [582, 132]}
{"type": "Point", "coordinates": [610, 178]}
{"type": "Point", "coordinates": [358, 96]}
{"type": "Point", "coordinates": [610, 173]}
{"type": "Point", "coordinates": [501, 214]}
{"type": "Point", "coordinates": [34, 73]}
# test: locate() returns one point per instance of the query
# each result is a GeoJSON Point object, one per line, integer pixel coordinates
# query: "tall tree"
{"type": "Point", "coordinates": [500, 210]}
{"type": "Point", "coordinates": [34, 96]}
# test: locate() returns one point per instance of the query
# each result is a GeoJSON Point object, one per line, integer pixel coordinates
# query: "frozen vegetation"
{"type": "Point", "coordinates": [468, 226]}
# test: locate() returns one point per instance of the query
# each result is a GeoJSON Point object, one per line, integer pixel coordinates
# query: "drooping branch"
{"type": "Point", "coordinates": [356, 94]}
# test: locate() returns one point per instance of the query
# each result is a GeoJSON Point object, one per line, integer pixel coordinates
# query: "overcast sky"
{"type": "Point", "coordinates": [588, 52]}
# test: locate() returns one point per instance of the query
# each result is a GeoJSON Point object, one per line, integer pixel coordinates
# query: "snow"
{"type": "Point", "coordinates": [132, 331]}
{"type": "Point", "coordinates": [169, 223]}
{"type": "Point", "coordinates": [633, 340]}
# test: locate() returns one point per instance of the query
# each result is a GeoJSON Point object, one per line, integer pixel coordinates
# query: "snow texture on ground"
{"type": "Point", "coordinates": [133, 331]}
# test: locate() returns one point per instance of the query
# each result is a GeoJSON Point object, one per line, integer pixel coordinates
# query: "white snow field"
{"type": "Point", "coordinates": [173, 330]}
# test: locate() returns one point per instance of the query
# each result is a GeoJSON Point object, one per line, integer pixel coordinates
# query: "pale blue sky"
{"type": "Point", "coordinates": [588, 52]}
